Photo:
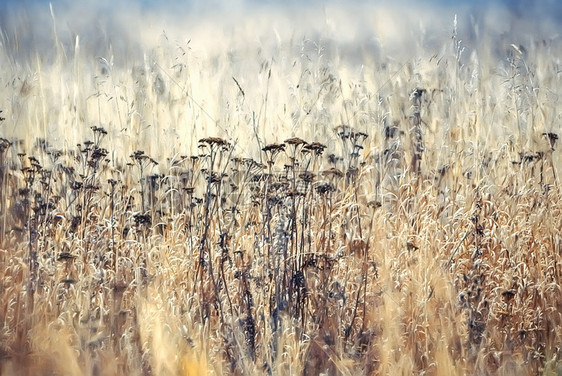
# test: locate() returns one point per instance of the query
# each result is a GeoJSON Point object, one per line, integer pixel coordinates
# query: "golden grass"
{"type": "Point", "coordinates": [414, 229]}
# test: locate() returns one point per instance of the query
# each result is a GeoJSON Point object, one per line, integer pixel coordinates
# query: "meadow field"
{"type": "Point", "coordinates": [289, 193]}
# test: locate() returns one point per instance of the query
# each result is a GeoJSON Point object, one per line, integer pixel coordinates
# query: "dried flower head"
{"type": "Point", "coordinates": [295, 141]}
{"type": "Point", "coordinates": [333, 172]}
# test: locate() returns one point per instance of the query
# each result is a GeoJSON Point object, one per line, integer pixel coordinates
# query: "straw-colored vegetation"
{"type": "Point", "coordinates": [287, 214]}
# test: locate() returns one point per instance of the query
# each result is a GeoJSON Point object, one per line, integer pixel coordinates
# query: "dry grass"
{"type": "Point", "coordinates": [414, 229]}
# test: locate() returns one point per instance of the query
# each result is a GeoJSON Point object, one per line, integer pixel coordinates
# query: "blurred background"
{"type": "Point", "coordinates": [388, 27]}
{"type": "Point", "coordinates": [155, 72]}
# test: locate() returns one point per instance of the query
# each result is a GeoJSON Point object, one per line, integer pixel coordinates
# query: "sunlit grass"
{"type": "Point", "coordinates": [281, 208]}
